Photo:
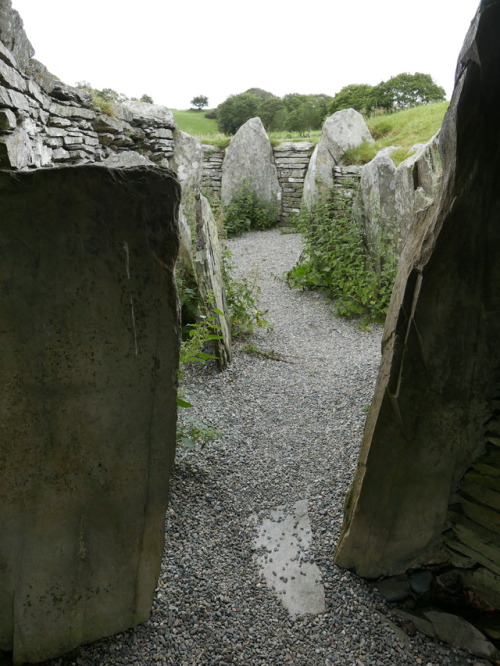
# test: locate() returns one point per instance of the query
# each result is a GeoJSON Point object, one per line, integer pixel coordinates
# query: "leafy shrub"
{"type": "Point", "coordinates": [242, 300]}
{"type": "Point", "coordinates": [249, 211]}
{"type": "Point", "coordinates": [335, 259]}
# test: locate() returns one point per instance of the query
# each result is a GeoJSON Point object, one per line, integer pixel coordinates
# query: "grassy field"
{"type": "Point", "coordinates": [403, 129]}
{"type": "Point", "coordinates": [194, 122]}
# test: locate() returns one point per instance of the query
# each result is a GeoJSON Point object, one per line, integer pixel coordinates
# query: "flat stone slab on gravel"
{"type": "Point", "coordinates": [282, 554]}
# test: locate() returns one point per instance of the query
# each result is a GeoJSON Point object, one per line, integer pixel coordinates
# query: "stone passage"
{"type": "Point", "coordinates": [89, 341]}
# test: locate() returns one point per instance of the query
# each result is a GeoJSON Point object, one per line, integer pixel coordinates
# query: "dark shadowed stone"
{"type": "Point", "coordinates": [89, 341]}
{"type": "Point", "coordinates": [441, 358]}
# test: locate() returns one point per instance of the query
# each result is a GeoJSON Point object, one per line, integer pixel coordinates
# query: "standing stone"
{"type": "Point", "coordinates": [418, 182]}
{"type": "Point", "coordinates": [343, 130]}
{"type": "Point", "coordinates": [208, 265]}
{"type": "Point", "coordinates": [249, 161]}
{"type": "Point", "coordinates": [89, 342]}
{"type": "Point", "coordinates": [441, 356]}
{"type": "Point", "coordinates": [375, 206]}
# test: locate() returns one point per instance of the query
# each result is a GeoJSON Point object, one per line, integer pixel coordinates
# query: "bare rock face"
{"type": "Point", "coordinates": [249, 160]}
{"type": "Point", "coordinates": [343, 130]}
{"type": "Point", "coordinates": [89, 343]}
{"type": "Point", "coordinates": [440, 366]}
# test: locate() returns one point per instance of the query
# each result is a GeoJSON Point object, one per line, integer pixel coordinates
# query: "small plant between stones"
{"type": "Point", "coordinates": [249, 211]}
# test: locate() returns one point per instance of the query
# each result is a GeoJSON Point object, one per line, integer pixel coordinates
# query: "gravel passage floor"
{"type": "Point", "coordinates": [290, 430]}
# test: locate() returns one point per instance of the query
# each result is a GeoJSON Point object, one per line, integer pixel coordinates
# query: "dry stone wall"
{"type": "Point", "coordinates": [46, 123]}
{"type": "Point", "coordinates": [212, 169]}
{"type": "Point", "coordinates": [292, 160]}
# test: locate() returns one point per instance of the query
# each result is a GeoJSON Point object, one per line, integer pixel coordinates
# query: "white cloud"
{"type": "Point", "coordinates": [174, 51]}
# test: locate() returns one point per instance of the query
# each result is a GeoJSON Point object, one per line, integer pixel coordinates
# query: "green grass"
{"type": "Point", "coordinates": [403, 129]}
{"type": "Point", "coordinates": [194, 122]}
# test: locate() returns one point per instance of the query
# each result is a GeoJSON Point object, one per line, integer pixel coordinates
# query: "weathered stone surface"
{"type": "Point", "coordinates": [131, 109]}
{"type": "Point", "coordinates": [104, 123]}
{"type": "Point", "coordinates": [7, 120]}
{"type": "Point", "coordinates": [343, 130]}
{"type": "Point", "coordinates": [453, 630]}
{"type": "Point", "coordinates": [375, 205]}
{"type": "Point", "coordinates": [127, 159]}
{"type": "Point", "coordinates": [286, 534]}
{"type": "Point", "coordinates": [89, 343]}
{"type": "Point", "coordinates": [9, 77]}
{"type": "Point", "coordinates": [12, 34]}
{"type": "Point", "coordinates": [187, 162]}
{"type": "Point", "coordinates": [16, 151]}
{"type": "Point", "coordinates": [440, 345]}
{"type": "Point", "coordinates": [72, 111]}
{"type": "Point", "coordinates": [418, 182]}
{"type": "Point", "coordinates": [208, 265]}
{"type": "Point", "coordinates": [249, 160]}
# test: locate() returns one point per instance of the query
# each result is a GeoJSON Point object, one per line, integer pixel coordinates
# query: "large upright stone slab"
{"type": "Point", "coordinates": [375, 207]}
{"type": "Point", "coordinates": [89, 351]}
{"type": "Point", "coordinates": [249, 161]}
{"type": "Point", "coordinates": [343, 130]}
{"type": "Point", "coordinates": [441, 358]}
{"type": "Point", "coordinates": [418, 181]}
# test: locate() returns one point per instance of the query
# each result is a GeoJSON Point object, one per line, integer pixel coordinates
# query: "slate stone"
{"type": "Point", "coordinates": [441, 356]}
{"type": "Point", "coordinates": [89, 343]}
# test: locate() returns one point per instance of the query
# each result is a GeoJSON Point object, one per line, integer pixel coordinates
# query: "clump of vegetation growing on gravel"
{"type": "Point", "coordinates": [249, 211]}
{"type": "Point", "coordinates": [335, 259]}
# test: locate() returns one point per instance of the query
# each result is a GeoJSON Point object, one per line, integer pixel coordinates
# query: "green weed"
{"type": "Point", "coordinates": [335, 260]}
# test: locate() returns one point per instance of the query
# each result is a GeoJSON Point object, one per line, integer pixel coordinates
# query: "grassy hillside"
{"type": "Point", "coordinates": [194, 122]}
{"type": "Point", "coordinates": [403, 129]}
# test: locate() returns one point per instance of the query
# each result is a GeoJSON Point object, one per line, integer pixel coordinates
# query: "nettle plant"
{"type": "Point", "coordinates": [248, 210]}
{"type": "Point", "coordinates": [336, 259]}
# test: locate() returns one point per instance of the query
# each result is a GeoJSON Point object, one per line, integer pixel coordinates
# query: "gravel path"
{"type": "Point", "coordinates": [291, 430]}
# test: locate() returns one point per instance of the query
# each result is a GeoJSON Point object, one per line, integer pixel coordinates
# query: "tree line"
{"type": "Point", "coordinates": [302, 113]}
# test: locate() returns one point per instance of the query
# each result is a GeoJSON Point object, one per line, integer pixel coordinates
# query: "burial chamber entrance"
{"type": "Point", "coordinates": [427, 486]}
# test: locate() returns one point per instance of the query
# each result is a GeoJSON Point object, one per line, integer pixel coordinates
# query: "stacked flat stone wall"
{"type": "Point", "coordinates": [212, 169]}
{"type": "Point", "coordinates": [46, 123]}
{"type": "Point", "coordinates": [292, 160]}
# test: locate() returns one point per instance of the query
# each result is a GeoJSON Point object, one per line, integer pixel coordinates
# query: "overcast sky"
{"type": "Point", "coordinates": [174, 51]}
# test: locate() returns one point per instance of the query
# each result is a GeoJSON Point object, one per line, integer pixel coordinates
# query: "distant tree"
{"type": "Point", "coordinates": [199, 102]}
{"type": "Point", "coordinates": [269, 112]}
{"type": "Point", "coordinates": [406, 90]}
{"type": "Point", "coordinates": [235, 111]}
{"type": "Point", "coordinates": [354, 96]}
{"type": "Point", "coordinates": [147, 98]}
{"type": "Point", "coordinates": [261, 94]}
{"type": "Point", "coordinates": [293, 100]}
